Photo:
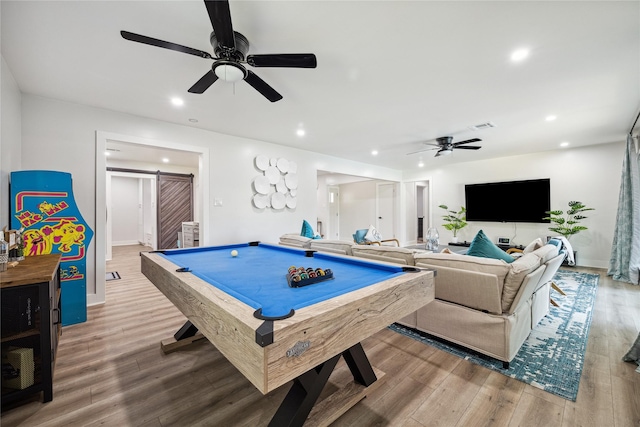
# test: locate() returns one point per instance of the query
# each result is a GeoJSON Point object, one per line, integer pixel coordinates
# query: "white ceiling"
{"type": "Point", "coordinates": [391, 74]}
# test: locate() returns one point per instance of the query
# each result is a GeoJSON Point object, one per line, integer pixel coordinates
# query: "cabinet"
{"type": "Point", "coordinates": [30, 324]}
{"type": "Point", "coordinates": [190, 234]}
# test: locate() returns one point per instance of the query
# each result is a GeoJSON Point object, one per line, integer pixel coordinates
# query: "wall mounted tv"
{"type": "Point", "coordinates": [513, 201]}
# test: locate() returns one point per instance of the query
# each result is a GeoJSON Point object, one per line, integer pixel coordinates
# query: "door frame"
{"type": "Point", "coordinates": [102, 137]}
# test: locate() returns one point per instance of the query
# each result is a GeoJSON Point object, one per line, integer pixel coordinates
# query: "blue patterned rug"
{"type": "Point", "coordinates": [552, 356]}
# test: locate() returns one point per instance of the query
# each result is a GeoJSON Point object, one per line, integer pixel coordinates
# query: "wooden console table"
{"type": "Point", "coordinates": [31, 320]}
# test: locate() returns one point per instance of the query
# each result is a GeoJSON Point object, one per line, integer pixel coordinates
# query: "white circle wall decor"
{"type": "Point", "coordinates": [291, 179]}
{"type": "Point", "coordinates": [283, 165]}
{"type": "Point", "coordinates": [262, 162]}
{"type": "Point", "coordinates": [273, 174]}
{"type": "Point", "coordinates": [276, 187]}
{"type": "Point", "coordinates": [261, 184]}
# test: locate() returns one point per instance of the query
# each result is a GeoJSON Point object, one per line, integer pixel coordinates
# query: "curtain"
{"type": "Point", "coordinates": [624, 264]}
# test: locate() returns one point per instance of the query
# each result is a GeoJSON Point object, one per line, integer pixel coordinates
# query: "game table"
{"type": "Point", "coordinates": [274, 333]}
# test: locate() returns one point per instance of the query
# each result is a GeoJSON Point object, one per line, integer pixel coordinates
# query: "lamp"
{"type": "Point", "coordinates": [444, 152]}
{"type": "Point", "coordinates": [229, 71]}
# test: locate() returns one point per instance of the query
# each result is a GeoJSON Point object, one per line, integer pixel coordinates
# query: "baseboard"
{"type": "Point", "coordinates": [126, 243]}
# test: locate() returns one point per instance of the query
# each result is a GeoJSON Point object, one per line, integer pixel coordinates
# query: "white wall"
{"type": "Point", "coordinates": [588, 174]}
{"type": "Point", "coordinates": [125, 210]}
{"type": "Point", "coordinates": [10, 137]}
{"type": "Point", "coordinates": [357, 207]}
{"type": "Point", "coordinates": [62, 136]}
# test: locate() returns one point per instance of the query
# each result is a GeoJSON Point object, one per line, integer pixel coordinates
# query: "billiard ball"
{"type": "Point", "coordinates": [234, 253]}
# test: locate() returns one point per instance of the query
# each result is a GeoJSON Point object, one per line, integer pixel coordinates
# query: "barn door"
{"type": "Point", "coordinates": [175, 206]}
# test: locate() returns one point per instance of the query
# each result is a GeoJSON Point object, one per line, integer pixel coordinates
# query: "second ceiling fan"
{"type": "Point", "coordinates": [445, 146]}
{"type": "Point", "coordinates": [230, 49]}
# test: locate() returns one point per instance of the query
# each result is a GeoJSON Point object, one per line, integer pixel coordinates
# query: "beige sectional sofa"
{"type": "Point", "coordinates": [483, 304]}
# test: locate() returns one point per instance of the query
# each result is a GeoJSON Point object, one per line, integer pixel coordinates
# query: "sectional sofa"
{"type": "Point", "coordinates": [483, 304]}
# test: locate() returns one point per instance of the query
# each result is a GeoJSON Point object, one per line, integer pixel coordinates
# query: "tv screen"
{"type": "Point", "coordinates": [513, 201]}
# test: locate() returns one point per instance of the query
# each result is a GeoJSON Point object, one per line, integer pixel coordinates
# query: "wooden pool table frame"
{"type": "Point", "coordinates": [304, 344]}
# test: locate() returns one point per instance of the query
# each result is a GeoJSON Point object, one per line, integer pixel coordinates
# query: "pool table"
{"type": "Point", "coordinates": [274, 333]}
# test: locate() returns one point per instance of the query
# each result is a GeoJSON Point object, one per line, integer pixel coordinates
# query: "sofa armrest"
{"type": "Point", "coordinates": [480, 291]}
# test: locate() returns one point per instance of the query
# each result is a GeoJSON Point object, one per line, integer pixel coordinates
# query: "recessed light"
{"type": "Point", "coordinates": [550, 118]}
{"type": "Point", "coordinates": [300, 132]}
{"type": "Point", "coordinates": [519, 54]}
{"type": "Point", "coordinates": [165, 160]}
{"type": "Point", "coordinates": [420, 164]}
{"type": "Point", "coordinates": [564, 144]}
{"type": "Point", "coordinates": [374, 152]}
{"type": "Point", "coordinates": [178, 102]}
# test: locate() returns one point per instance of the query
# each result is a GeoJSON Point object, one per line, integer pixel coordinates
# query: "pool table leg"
{"type": "Point", "coordinates": [187, 334]}
{"type": "Point", "coordinates": [306, 389]}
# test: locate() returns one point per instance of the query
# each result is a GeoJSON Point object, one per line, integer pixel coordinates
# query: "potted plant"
{"type": "Point", "coordinates": [454, 220]}
{"type": "Point", "coordinates": [568, 223]}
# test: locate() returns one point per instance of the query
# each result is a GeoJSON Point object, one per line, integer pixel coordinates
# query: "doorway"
{"type": "Point", "coordinates": [202, 208]}
{"type": "Point", "coordinates": [333, 228]}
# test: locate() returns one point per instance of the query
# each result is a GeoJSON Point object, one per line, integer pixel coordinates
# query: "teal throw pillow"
{"type": "Point", "coordinates": [308, 231]}
{"type": "Point", "coordinates": [358, 237]}
{"type": "Point", "coordinates": [482, 246]}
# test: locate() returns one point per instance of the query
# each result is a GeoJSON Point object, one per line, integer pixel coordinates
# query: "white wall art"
{"type": "Point", "coordinates": [277, 187]}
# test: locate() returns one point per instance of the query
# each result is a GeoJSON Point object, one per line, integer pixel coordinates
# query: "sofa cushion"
{"type": "Point", "coordinates": [384, 253]}
{"type": "Point", "coordinates": [496, 267]}
{"type": "Point", "coordinates": [481, 246]}
{"type": "Point", "coordinates": [334, 246]}
{"type": "Point", "coordinates": [295, 240]}
{"type": "Point", "coordinates": [518, 270]}
{"type": "Point", "coordinates": [546, 253]}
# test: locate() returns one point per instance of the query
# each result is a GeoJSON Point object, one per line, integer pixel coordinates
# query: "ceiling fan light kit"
{"type": "Point", "coordinates": [230, 48]}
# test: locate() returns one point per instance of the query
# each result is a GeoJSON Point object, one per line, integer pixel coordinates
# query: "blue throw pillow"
{"type": "Point", "coordinates": [358, 237]}
{"type": "Point", "coordinates": [483, 247]}
{"type": "Point", "coordinates": [307, 231]}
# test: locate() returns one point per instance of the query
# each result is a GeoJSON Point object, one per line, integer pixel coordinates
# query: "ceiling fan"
{"type": "Point", "coordinates": [230, 49]}
{"type": "Point", "coordinates": [445, 146]}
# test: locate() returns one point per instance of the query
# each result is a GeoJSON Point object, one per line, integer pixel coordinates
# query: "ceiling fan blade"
{"type": "Point", "coordinates": [422, 151]}
{"type": "Point", "coordinates": [455, 144]}
{"type": "Point", "coordinates": [203, 84]}
{"type": "Point", "coordinates": [166, 45]}
{"type": "Point", "coordinates": [468, 147]}
{"type": "Point", "coordinates": [262, 87]}
{"type": "Point", "coordinates": [220, 17]}
{"type": "Point", "coordinates": [292, 60]}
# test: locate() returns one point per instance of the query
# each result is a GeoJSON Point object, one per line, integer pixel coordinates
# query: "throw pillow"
{"type": "Point", "coordinates": [307, 230]}
{"type": "Point", "coordinates": [358, 237]}
{"type": "Point", "coordinates": [372, 235]}
{"type": "Point", "coordinates": [482, 246]}
{"type": "Point", "coordinates": [536, 244]}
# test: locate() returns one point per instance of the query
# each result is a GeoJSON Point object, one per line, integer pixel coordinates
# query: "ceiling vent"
{"type": "Point", "coordinates": [482, 126]}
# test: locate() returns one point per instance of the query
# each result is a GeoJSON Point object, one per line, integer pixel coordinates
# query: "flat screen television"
{"type": "Point", "coordinates": [513, 201]}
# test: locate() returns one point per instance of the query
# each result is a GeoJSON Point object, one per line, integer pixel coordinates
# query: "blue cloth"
{"type": "Point", "coordinates": [257, 276]}
{"type": "Point", "coordinates": [482, 246]}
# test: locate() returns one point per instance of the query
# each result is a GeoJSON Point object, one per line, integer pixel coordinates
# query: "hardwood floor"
{"type": "Point", "coordinates": [111, 371]}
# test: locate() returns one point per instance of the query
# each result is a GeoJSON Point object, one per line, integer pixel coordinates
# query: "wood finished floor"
{"type": "Point", "coordinates": [111, 371]}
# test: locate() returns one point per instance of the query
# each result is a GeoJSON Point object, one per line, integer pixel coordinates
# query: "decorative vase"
{"type": "Point", "coordinates": [433, 239]}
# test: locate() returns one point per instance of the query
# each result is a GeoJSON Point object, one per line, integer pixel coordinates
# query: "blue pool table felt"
{"type": "Point", "coordinates": [258, 275]}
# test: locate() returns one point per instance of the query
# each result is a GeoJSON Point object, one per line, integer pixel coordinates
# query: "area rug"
{"type": "Point", "coordinates": [112, 275]}
{"type": "Point", "coordinates": [553, 355]}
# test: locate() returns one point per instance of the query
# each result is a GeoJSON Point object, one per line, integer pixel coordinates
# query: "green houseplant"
{"type": "Point", "coordinates": [568, 223]}
{"type": "Point", "coordinates": [454, 220]}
